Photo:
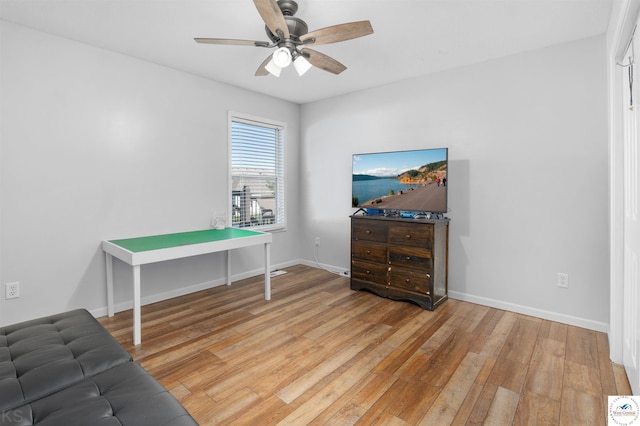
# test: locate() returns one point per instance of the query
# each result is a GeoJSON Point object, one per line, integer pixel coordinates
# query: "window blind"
{"type": "Point", "coordinates": [257, 174]}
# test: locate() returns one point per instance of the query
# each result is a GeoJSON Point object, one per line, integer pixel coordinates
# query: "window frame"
{"type": "Point", "coordinates": [280, 222]}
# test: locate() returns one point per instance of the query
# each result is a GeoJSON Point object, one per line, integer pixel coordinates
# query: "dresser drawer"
{"type": "Point", "coordinates": [400, 258]}
{"type": "Point", "coordinates": [415, 281]}
{"type": "Point", "coordinates": [371, 272]}
{"type": "Point", "coordinates": [369, 251]}
{"type": "Point", "coordinates": [412, 235]}
{"type": "Point", "coordinates": [417, 258]}
{"type": "Point", "coordinates": [367, 230]}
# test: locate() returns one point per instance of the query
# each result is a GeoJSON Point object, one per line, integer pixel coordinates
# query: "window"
{"type": "Point", "coordinates": [257, 172]}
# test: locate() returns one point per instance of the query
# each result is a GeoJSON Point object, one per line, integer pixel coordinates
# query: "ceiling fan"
{"type": "Point", "coordinates": [291, 37]}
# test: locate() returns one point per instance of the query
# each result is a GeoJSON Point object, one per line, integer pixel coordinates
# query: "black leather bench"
{"type": "Point", "coordinates": [66, 369]}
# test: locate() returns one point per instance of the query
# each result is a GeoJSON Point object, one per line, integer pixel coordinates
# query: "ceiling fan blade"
{"type": "Point", "coordinates": [262, 71]}
{"type": "Point", "coordinates": [337, 33]}
{"type": "Point", "coordinates": [272, 17]}
{"type": "Point", "coordinates": [323, 61]}
{"type": "Point", "coordinates": [230, 41]}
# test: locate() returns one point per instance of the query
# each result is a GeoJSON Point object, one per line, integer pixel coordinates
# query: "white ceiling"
{"type": "Point", "coordinates": [411, 37]}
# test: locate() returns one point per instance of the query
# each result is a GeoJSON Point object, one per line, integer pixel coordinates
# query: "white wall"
{"type": "Point", "coordinates": [528, 192]}
{"type": "Point", "coordinates": [97, 145]}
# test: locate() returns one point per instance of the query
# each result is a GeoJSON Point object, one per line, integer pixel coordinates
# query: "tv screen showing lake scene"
{"type": "Point", "coordinates": [401, 180]}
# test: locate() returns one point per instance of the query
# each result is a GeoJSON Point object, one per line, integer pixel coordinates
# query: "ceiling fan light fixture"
{"type": "Point", "coordinates": [291, 34]}
{"type": "Point", "coordinates": [282, 57]}
{"type": "Point", "coordinates": [273, 69]}
{"type": "Point", "coordinates": [301, 65]}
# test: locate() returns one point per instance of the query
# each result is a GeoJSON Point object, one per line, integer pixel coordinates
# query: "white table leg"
{"type": "Point", "coordinates": [137, 326]}
{"type": "Point", "coordinates": [108, 259]}
{"type": "Point", "coordinates": [267, 271]}
{"type": "Point", "coordinates": [228, 254]}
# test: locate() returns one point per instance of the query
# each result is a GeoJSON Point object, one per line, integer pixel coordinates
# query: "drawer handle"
{"type": "Point", "coordinates": [407, 281]}
{"type": "Point", "coordinates": [408, 257]}
{"type": "Point", "coordinates": [368, 272]}
{"type": "Point", "coordinates": [368, 231]}
{"type": "Point", "coordinates": [408, 235]}
{"type": "Point", "coordinates": [368, 251]}
{"type": "Point", "coordinates": [428, 275]}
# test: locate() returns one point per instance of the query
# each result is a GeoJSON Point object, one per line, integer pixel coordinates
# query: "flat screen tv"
{"type": "Point", "coordinates": [401, 181]}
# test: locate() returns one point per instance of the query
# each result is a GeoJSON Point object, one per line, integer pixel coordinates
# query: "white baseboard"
{"type": "Point", "coordinates": [333, 269]}
{"type": "Point", "coordinates": [534, 312]}
{"type": "Point", "coordinates": [159, 297]}
{"type": "Point", "coordinates": [493, 303]}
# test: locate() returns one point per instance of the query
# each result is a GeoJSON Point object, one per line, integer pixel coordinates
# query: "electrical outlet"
{"type": "Point", "coordinates": [317, 241]}
{"type": "Point", "coordinates": [563, 280]}
{"type": "Point", "coordinates": [12, 290]}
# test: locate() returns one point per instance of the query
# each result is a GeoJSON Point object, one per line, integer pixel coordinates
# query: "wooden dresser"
{"type": "Point", "coordinates": [401, 259]}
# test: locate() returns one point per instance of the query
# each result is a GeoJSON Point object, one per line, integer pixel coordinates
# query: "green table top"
{"type": "Point", "coordinates": [156, 242]}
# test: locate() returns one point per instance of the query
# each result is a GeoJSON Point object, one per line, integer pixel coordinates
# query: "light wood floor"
{"type": "Point", "coordinates": [319, 353]}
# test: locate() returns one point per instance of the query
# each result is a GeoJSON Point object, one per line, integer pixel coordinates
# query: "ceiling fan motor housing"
{"type": "Point", "coordinates": [297, 26]}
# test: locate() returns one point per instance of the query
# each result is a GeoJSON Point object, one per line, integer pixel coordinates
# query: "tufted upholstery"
{"type": "Point", "coordinates": [124, 395]}
{"type": "Point", "coordinates": [42, 356]}
{"type": "Point", "coordinates": [66, 369]}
